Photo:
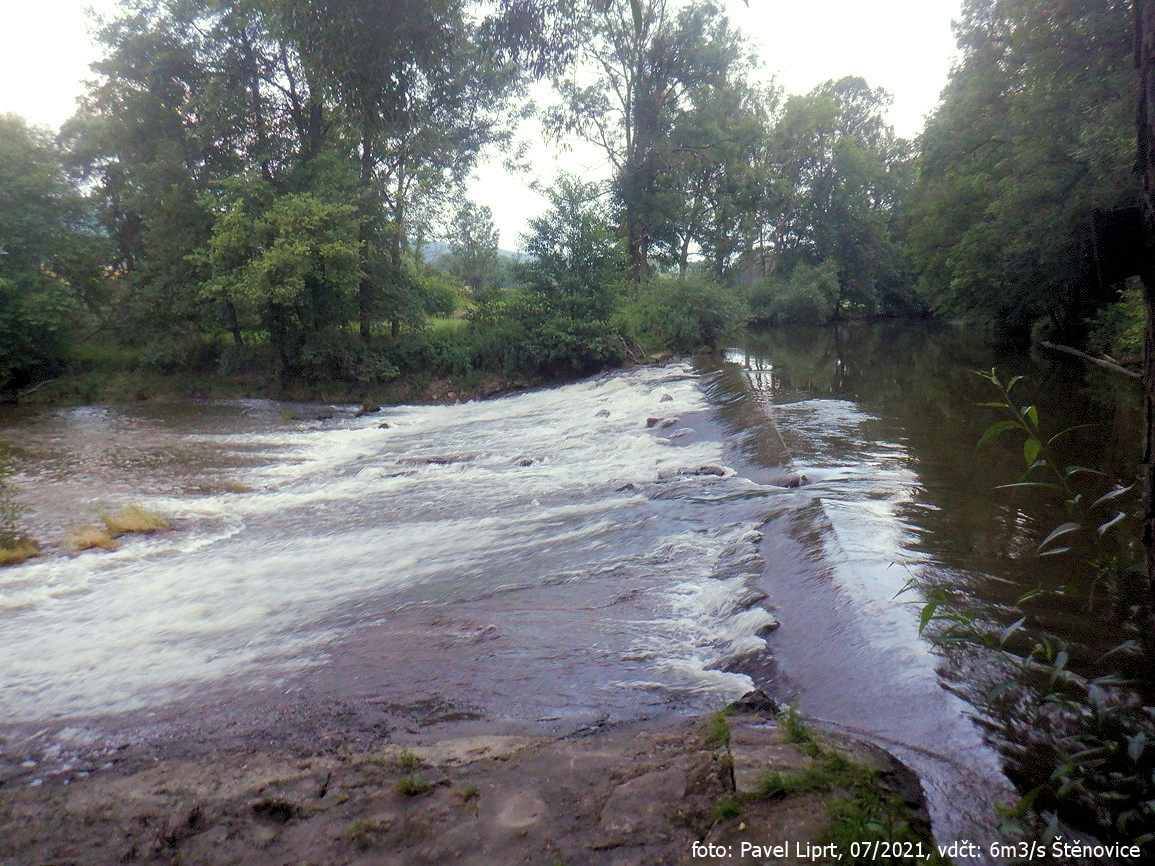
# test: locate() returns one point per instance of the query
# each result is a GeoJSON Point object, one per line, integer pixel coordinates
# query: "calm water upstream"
{"type": "Point", "coordinates": [546, 561]}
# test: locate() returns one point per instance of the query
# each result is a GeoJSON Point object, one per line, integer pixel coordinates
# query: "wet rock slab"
{"type": "Point", "coordinates": [637, 794]}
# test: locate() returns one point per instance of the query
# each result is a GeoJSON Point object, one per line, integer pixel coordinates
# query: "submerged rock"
{"type": "Point", "coordinates": [439, 459]}
{"type": "Point", "coordinates": [797, 481]}
{"type": "Point", "coordinates": [720, 471]}
{"type": "Point", "coordinates": [666, 398]}
{"type": "Point", "coordinates": [653, 422]}
{"type": "Point", "coordinates": [603, 413]}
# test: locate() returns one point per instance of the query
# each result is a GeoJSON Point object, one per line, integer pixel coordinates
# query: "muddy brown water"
{"type": "Point", "coordinates": [547, 561]}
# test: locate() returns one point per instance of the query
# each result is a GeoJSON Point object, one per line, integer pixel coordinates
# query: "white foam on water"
{"type": "Point", "coordinates": [348, 519]}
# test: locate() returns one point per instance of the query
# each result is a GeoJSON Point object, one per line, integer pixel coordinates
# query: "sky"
{"type": "Point", "coordinates": [905, 46]}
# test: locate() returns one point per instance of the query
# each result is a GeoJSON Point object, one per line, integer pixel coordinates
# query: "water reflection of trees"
{"type": "Point", "coordinates": [972, 540]}
{"type": "Point", "coordinates": [917, 380]}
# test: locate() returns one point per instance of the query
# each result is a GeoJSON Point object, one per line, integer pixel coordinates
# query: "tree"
{"type": "Point", "coordinates": [473, 247]}
{"type": "Point", "coordinates": [574, 255]}
{"type": "Point", "coordinates": [50, 255]}
{"type": "Point", "coordinates": [646, 57]}
{"type": "Point", "coordinates": [1145, 59]}
{"type": "Point", "coordinates": [1034, 129]}
{"type": "Point", "coordinates": [293, 257]}
{"type": "Point", "coordinates": [421, 96]}
{"type": "Point", "coordinates": [839, 183]}
{"type": "Point", "coordinates": [189, 94]}
{"type": "Point", "coordinates": [710, 187]}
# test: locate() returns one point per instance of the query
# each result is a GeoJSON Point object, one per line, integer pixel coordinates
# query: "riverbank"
{"type": "Point", "coordinates": [134, 386]}
{"type": "Point", "coordinates": [655, 792]}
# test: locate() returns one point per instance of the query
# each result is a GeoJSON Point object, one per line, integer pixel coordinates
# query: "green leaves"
{"type": "Point", "coordinates": [1059, 532]}
{"type": "Point", "coordinates": [1031, 449]}
{"type": "Point", "coordinates": [993, 432]}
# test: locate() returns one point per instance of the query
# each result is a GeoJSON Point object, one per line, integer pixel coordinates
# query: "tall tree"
{"type": "Point", "coordinates": [1145, 60]}
{"type": "Point", "coordinates": [421, 95]}
{"type": "Point", "coordinates": [631, 84]}
{"type": "Point", "coordinates": [473, 247]}
{"type": "Point", "coordinates": [1034, 129]}
{"type": "Point", "coordinates": [51, 255]}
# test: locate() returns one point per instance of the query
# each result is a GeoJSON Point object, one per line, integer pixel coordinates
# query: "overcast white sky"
{"type": "Point", "coordinates": [903, 45]}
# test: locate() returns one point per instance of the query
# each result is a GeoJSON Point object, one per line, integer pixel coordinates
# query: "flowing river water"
{"type": "Point", "coordinates": [548, 561]}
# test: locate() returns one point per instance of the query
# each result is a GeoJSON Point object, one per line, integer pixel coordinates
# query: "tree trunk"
{"type": "Point", "coordinates": [1145, 58]}
{"type": "Point", "coordinates": [365, 286]}
{"type": "Point", "coordinates": [234, 325]}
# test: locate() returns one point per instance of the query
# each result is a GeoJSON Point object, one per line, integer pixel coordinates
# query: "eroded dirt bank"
{"type": "Point", "coordinates": [642, 793]}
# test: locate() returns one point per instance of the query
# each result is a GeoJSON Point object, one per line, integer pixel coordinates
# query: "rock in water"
{"type": "Point", "coordinates": [797, 481]}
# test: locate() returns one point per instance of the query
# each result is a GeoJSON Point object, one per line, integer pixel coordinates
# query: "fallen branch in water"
{"type": "Point", "coordinates": [1102, 362]}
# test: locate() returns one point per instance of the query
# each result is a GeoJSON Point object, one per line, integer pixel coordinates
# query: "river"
{"type": "Point", "coordinates": [621, 548]}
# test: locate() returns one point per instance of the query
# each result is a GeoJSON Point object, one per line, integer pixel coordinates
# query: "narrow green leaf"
{"type": "Point", "coordinates": [1061, 660]}
{"type": "Point", "coordinates": [1045, 484]}
{"type": "Point", "coordinates": [992, 405]}
{"type": "Point", "coordinates": [1058, 531]}
{"type": "Point", "coordinates": [1075, 470]}
{"type": "Point", "coordinates": [927, 615]}
{"type": "Point", "coordinates": [1054, 551]}
{"type": "Point", "coordinates": [1135, 746]}
{"type": "Point", "coordinates": [1103, 527]}
{"type": "Point", "coordinates": [1112, 494]}
{"type": "Point", "coordinates": [1014, 381]}
{"type": "Point", "coordinates": [1009, 631]}
{"type": "Point", "coordinates": [1031, 449]}
{"type": "Point", "coordinates": [1124, 647]}
{"type": "Point", "coordinates": [1032, 415]}
{"type": "Point", "coordinates": [1028, 595]}
{"type": "Point", "coordinates": [993, 432]}
{"type": "Point", "coordinates": [1067, 430]}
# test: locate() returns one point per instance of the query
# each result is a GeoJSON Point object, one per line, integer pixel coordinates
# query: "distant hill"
{"type": "Point", "coordinates": [434, 251]}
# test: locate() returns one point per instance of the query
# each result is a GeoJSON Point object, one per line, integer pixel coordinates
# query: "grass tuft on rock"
{"type": "Point", "coordinates": [408, 761]}
{"type": "Point", "coordinates": [412, 785]}
{"type": "Point", "coordinates": [18, 551]}
{"type": "Point", "coordinates": [134, 519]}
{"type": "Point", "coordinates": [90, 538]}
{"type": "Point", "coordinates": [718, 729]}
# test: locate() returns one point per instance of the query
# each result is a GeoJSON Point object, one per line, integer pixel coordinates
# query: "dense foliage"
{"type": "Point", "coordinates": [1036, 126]}
{"type": "Point", "coordinates": [249, 189]}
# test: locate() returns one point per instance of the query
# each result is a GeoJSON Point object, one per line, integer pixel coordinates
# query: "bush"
{"type": "Point", "coordinates": [439, 352]}
{"type": "Point", "coordinates": [805, 296]}
{"type": "Point", "coordinates": [338, 355]}
{"type": "Point", "coordinates": [1118, 329]}
{"type": "Point", "coordinates": [527, 332]}
{"type": "Point", "coordinates": [682, 315]}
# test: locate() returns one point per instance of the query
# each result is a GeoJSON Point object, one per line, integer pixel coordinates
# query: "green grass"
{"type": "Point", "coordinates": [861, 808]}
{"type": "Point", "coordinates": [718, 728]}
{"type": "Point", "coordinates": [134, 519]}
{"type": "Point", "coordinates": [18, 551]}
{"type": "Point", "coordinates": [408, 761]}
{"type": "Point", "coordinates": [730, 807]}
{"type": "Point", "coordinates": [412, 785]}
{"type": "Point", "coordinates": [364, 834]}
{"type": "Point", "coordinates": [773, 783]}
{"type": "Point", "coordinates": [445, 325]}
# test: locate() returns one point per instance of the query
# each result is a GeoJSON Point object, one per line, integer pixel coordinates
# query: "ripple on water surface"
{"type": "Point", "coordinates": [601, 554]}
